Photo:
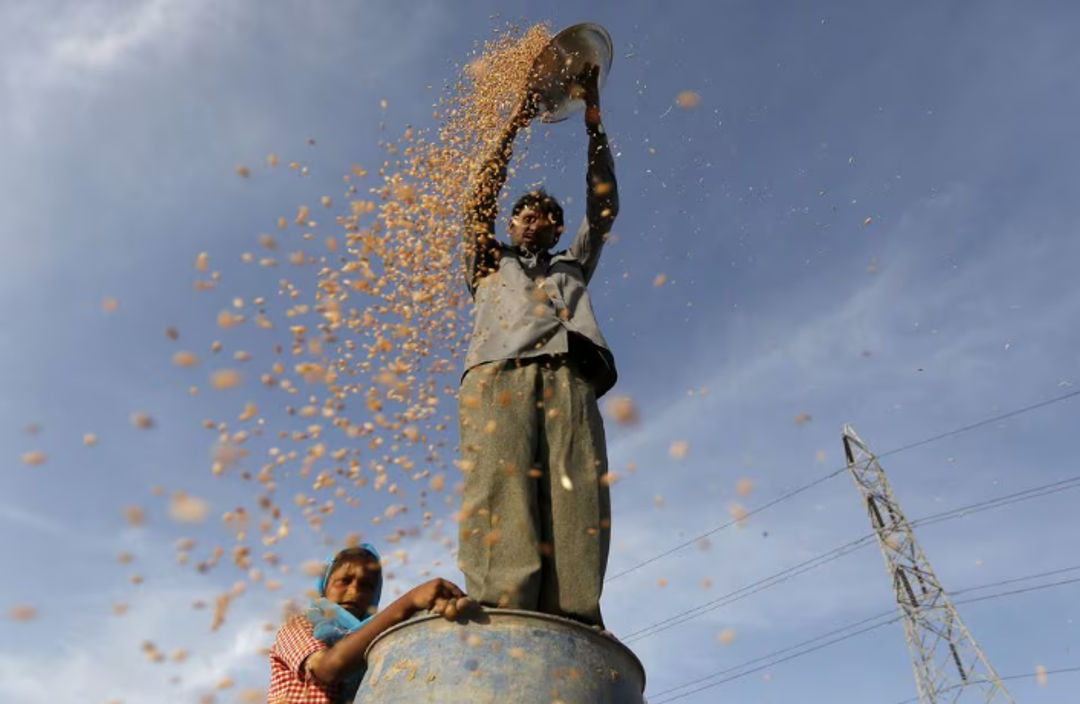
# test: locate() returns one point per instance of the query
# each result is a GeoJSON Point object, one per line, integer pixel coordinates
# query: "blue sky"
{"type": "Point", "coordinates": [951, 127]}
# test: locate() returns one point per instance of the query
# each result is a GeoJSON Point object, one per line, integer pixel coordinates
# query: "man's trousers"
{"type": "Point", "coordinates": [536, 513]}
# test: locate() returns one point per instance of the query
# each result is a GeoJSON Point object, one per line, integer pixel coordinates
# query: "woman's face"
{"type": "Point", "coordinates": [352, 586]}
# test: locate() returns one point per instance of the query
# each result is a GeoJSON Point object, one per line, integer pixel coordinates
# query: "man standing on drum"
{"type": "Point", "coordinates": [535, 521]}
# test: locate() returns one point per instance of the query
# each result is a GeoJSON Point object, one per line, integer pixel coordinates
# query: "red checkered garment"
{"type": "Point", "coordinates": [289, 683]}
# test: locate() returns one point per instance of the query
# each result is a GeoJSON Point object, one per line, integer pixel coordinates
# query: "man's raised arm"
{"type": "Point", "coordinates": [483, 204]}
{"type": "Point", "coordinates": [602, 192]}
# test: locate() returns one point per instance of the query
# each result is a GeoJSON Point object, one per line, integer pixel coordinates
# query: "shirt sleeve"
{"type": "Point", "coordinates": [294, 644]}
{"type": "Point", "coordinates": [601, 204]}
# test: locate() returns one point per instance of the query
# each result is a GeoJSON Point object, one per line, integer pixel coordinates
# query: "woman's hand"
{"type": "Point", "coordinates": [439, 596]}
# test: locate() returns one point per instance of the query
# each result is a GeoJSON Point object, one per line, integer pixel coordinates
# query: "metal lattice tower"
{"type": "Point", "coordinates": [949, 665]}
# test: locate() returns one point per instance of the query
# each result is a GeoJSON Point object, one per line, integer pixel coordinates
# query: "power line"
{"type": "Point", "coordinates": [1024, 590]}
{"type": "Point", "coordinates": [773, 661]}
{"type": "Point", "coordinates": [1026, 675]}
{"type": "Point", "coordinates": [750, 589]}
{"type": "Point", "coordinates": [838, 552]}
{"type": "Point", "coordinates": [841, 470]}
{"type": "Point", "coordinates": [889, 614]}
{"type": "Point", "coordinates": [981, 423]}
{"type": "Point", "coordinates": [1006, 500]}
{"type": "Point", "coordinates": [1003, 582]}
{"type": "Point", "coordinates": [861, 631]}
{"type": "Point", "coordinates": [730, 523]}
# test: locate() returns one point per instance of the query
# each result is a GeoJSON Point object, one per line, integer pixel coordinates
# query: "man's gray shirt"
{"type": "Point", "coordinates": [528, 306]}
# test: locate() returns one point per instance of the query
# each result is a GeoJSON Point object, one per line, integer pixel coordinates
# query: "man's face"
{"type": "Point", "coordinates": [533, 230]}
{"type": "Point", "coordinates": [352, 586]}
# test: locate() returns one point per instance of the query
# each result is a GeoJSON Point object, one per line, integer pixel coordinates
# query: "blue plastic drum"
{"type": "Point", "coordinates": [503, 656]}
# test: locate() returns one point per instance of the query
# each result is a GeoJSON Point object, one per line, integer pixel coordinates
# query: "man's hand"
{"type": "Point", "coordinates": [588, 81]}
{"type": "Point", "coordinates": [586, 87]}
{"type": "Point", "coordinates": [526, 110]}
{"type": "Point", "coordinates": [439, 596]}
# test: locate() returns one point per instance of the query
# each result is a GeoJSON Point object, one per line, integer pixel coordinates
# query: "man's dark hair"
{"type": "Point", "coordinates": [542, 201]}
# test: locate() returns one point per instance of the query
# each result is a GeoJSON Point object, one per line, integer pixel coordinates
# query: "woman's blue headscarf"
{"type": "Point", "coordinates": [332, 622]}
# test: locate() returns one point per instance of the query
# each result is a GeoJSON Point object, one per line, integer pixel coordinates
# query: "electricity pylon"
{"type": "Point", "coordinates": [949, 665]}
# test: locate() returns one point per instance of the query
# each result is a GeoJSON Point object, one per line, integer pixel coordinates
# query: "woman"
{"type": "Point", "coordinates": [318, 656]}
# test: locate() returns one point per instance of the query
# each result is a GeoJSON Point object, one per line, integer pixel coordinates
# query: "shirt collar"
{"type": "Point", "coordinates": [532, 260]}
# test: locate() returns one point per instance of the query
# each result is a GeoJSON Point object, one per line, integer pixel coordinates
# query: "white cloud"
{"type": "Point", "coordinates": [108, 41]}
{"type": "Point", "coordinates": [29, 519]}
{"type": "Point", "coordinates": [90, 49]}
{"type": "Point", "coordinates": [99, 658]}
{"type": "Point", "coordinates": [880, 315]}
{"type": "Point", "coordinates": [80, 46]}
{"type": "Point", "coordinates": [891, 314]}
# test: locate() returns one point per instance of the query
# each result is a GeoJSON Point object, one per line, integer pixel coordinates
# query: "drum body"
{"type": "Point", "coordinates": [500, 656]}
